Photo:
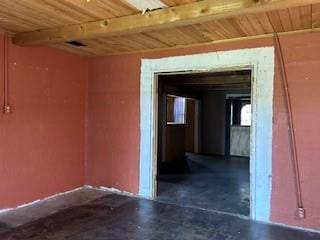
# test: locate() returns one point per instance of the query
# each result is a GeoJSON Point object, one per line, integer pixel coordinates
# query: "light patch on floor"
{"type": "Point", "coordinates": [215, 183]}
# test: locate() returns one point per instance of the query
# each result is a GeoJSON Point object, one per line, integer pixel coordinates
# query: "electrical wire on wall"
{"type": "Point", "coordinates": [295, 162]}
{"type": "Point", "coordinates": [6, 106]}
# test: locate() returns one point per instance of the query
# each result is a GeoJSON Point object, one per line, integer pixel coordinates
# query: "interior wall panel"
{"type": "Point", "coordinates": [42, 142]}
{"type": "Point", "coordinates": [114, 135]}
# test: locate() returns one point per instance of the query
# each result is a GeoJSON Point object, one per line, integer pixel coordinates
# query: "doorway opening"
{"type": "Point", "coordinates": [203, 145]}
{"type": "Point", "coordinates": [261, 63]}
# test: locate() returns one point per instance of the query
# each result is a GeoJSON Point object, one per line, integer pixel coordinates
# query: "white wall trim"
{"type": "Point", "coordinates": [295, 227]}
{"type": "Point", "coordinates": [261, 62]}
{"type": "Point", "coordinates": [5, 210]}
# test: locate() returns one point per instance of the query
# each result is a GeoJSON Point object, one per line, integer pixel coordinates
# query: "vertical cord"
{"type": "Point", "coordinates": [5, 88]}
{"type": "Point", "coordinates": [292, 130]}
{"type": "Point", "coordinates": [5, 69]}
{"type": "Point", "coordinates": [6, 107]}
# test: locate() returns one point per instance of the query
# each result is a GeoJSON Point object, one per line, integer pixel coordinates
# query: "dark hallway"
{"type": "Point", "coordinates": [204, 140]}
{"type": "Point", "coordinates": [208, 182]}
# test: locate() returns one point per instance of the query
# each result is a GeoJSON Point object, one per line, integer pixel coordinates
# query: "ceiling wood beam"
{"type": "Point", "coordinates": [214, 80]}
{"type": "Point", "coordinates": [230, 40]}
{"type": "Point", "coordinates": [222, 87]}
{"type": "Point", "coordinates": [182, 15]}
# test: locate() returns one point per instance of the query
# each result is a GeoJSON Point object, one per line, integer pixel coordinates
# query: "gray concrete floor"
{"type": "Point", "coordinates": [20, 216]}
{"type": "Point", "coordinates": [207, 182]}
{"type": "Point", "coordinates": [117, 217]}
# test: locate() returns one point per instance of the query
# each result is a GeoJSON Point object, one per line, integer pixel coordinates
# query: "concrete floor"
{"type": "Point", "coordinates": [20, 216]}
{"type": "Point", "coordinates": [121, 217]}
{"type": "Point", "coordinates": [207, 182]}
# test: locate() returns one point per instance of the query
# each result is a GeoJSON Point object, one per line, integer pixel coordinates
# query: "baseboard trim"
{"type": "Point", "coordinates": [5, 210]}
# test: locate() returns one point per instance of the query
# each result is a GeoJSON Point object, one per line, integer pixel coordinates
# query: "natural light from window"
{"type": "Point", "coordinates": [176, 110]}
{"type": "Point", "coordinates": [246, 115]}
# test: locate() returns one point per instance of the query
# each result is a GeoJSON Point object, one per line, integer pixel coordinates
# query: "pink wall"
{"type": "Point", "coordinates": [302, 60]}
{"type": "Point", "coordinates": [43, 148]}
{"type": "Point", "coordinates": [42, 142]}
{"type": "Point", "coordinates": [113, 116]}
{"type": "Point", "coordinates": [113, 122]}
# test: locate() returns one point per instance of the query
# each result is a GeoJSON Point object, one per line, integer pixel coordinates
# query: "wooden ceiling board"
{"type": "Point", "coordinates": [23, 18]}
{"type": "Point", "coordinates": [147, 41]}
{"type": "Point", "coordinates": [244, 25]}
{"type": "Point", "coordinates": [192, 34]}
{"type": "Point", "coordinates": [260, 24]}
{"type": "Point", "coordinates": [265, 23]}
{"type": "Point", "coordinates": [285, 20]}
{"type": "Point", "coordinates": [207, 31]}
{"type": "Point", "coordinates": [171, 37]}
{"type": "Point", "coordinates": [40, 14]}
{"type": "Point", "coordinates": [275, 21]}
{"type": "Point", "coordinates": [236, 27]}
{"type": "Point", "coordinates": [222, 31]}
{"type": "Point", "coordinates": [28, 15]}
{"type": "Point", "coordinates": [306, 16]}
{"type": "Point", "coordinates": [232, 29]}
{"type": "Point", "coordinates": [296, 16]}
{"type": "Point", "coordinates": [152, 37]}
{"type": "Point", "coordinates": [315, 16]}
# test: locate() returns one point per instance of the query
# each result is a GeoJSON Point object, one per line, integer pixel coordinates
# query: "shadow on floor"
{"type": "Point", "coordinates": [207, 182]}
{"type": "Point", "coordinates": [120, 217]}
{"type": "Point", "coordinates": [4, 227]}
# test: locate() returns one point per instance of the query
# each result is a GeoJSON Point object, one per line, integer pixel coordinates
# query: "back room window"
{"type": "Point", "coordinates": [246, 115]}
{"type": "Point", "coordinates": [176, 110]}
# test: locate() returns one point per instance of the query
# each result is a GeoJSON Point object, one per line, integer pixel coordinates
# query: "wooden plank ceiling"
{"type": "Point", "coordinates": [21, 16]}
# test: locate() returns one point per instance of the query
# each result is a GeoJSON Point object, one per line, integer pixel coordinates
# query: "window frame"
{"type": "Point", "coordinates": [173, 110]}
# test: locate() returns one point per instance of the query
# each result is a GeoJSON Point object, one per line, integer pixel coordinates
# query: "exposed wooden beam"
{"type": "Point", "coordinates": [222, 87]}
{"type": "Point", "coordinates": [241, 79]}
{"type": "Point", "coordinates": [182, 15]}
{"type": "Point", "coordinates": [222, 41]}
{"type": "Point", "coordinates": [197, 88]}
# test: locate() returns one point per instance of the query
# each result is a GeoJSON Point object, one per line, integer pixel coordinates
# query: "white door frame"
{"type": "Point", "coordinates": [261, 62]}
{"type": "Point", "coordinates": [196, 125]}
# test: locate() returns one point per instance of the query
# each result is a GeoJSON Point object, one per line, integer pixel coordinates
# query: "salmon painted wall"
{"type": "Point", "coordinates": [113, 122]}
{"type": "Point", "coordinates": [113, 134]}
{"type": "Point", "coordinates": [302, 60]}
{"type": "Point", "coordinates": [42, 143]}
